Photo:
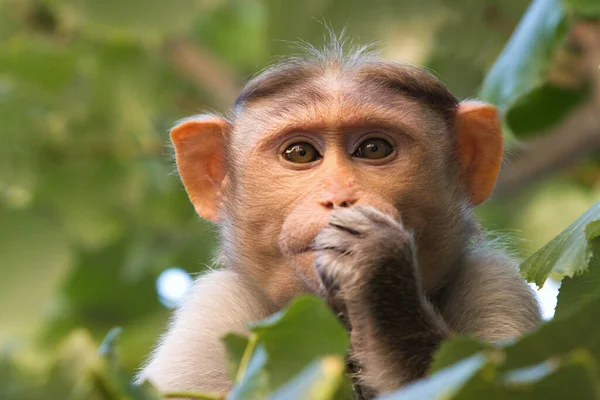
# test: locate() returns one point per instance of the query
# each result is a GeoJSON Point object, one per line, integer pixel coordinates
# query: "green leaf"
{"type": "Point", "coordinates": [542, 364]}
{"type": "Point", "coordinates": [517, 82]}
{"type": "Point", "coordinates": [456, 349]}
{"type": "Point", "coordinates": [575, 377]}
{"type": "Point", "coordinates": [294, 338]}
{"type": "Point", "coordinates": [568, 254]}
{"type": "Point", "coordinates": [541, 108]}
{"type": "Point", "coordinates": [323, 379]}
{"type": "Point", "coordinates": [253, 378]}
{"type": "Point", "coordinates": [235, 345]}
{"type": "Point", "coordinates": [444, 384]}
{"type": "Point", "coordinates": [563, 334]}
{"type": "Point", "coordinates": [592, 230]}
{"type": "Point", "coordinates": [286, 343]}
{"type": "Point", "coordinates": [581, 288]}
{"type": "Point", "coordinates": [552, 379]}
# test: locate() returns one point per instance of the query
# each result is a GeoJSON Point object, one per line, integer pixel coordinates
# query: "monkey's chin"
{"type": "Point", "coordinates": [306, 271]}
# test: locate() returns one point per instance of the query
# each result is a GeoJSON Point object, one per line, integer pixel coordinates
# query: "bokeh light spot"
{"type": "Point", "coordinates": [171, 285]}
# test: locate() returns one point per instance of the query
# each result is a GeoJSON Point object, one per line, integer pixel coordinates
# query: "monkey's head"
{"type": "Point", "coordinates": [311, 135]}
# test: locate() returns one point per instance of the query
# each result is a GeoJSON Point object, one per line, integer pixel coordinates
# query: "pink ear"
{"type": "Point", "coordinates": [198, 145]}
{"type": "Point", "coordinates": [480, 146]}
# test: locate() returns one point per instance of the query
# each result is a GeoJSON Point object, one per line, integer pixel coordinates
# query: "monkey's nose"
{"type": "Point", "coordinates": [338, 203]}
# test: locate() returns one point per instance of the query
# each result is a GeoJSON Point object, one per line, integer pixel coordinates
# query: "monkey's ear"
{"type": "Point", "coordinates": [480, 147]}
{"type": "Point", "coordinates": [199, 145]}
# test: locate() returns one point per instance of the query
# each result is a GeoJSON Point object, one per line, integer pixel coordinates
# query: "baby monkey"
{"type": "Point", "coordinates": [353, 178]}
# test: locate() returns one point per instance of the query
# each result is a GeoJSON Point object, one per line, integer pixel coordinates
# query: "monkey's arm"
{"type": "Point", "coordinates": [190, 355]}
{"type": "Point", "coordinates": [395, 330]}
{"type": "Point", "coordinates": [487, 298]}
{"type": "Point", "coordinates": [369, 260]}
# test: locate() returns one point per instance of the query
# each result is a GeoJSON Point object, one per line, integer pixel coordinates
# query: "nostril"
{"type": "Point", "coordinates": [333, 204]}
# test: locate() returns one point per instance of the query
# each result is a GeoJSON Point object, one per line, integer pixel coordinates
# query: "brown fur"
{"type": "Point", "coordinates": [418, 266]}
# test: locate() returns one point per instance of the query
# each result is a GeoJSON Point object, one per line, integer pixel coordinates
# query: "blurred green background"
{"type": "Point", "coordinates": [91, 211]}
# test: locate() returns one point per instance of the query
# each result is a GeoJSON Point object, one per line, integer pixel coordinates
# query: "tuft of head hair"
{"type": "Point", "coordinates": [339, 55]}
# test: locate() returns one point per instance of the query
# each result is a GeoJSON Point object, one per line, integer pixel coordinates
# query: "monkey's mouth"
{"type": "Point", "coordinates": [296, 248]}
{"type": "Point", "coordinates": [305, 249]}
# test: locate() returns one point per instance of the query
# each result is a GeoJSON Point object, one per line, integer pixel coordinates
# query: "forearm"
{"type": "Point", "coordinates": [395, 331]}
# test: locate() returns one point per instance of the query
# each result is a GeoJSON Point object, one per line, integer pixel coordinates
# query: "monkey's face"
{"type": "Point", "coordinates": [305, 142]}
{"type": "Point", "coordinates": [293, 166]}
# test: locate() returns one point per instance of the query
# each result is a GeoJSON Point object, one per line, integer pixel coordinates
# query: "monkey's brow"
{"type": "Point", "coordinates": [404, 80]}
{"type": "Point", "coordinates": [272, 82]}
{"type": "Point", "coordinates": [373, 124]}
{"type": "Point", "coordinates": [413, 82]}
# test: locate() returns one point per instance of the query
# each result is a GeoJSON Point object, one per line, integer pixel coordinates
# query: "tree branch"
{"type": "Point", "coordinates": [576, 137]}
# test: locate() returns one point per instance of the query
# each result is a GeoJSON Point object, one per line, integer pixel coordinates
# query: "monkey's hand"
{"type": "Point", "coordinates": [361, 245]}
{"type": "Point", "coordinates": [367, 260]}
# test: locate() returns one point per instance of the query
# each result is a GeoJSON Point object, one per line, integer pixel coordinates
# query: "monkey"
{"type": "Point", "coordinates": [354, 178]}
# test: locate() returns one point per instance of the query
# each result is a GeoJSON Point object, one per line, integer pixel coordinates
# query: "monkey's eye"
{"type": "Point", "coordinates": [374, 149]}
{"type": "Point", "coordinates": [301, 153]}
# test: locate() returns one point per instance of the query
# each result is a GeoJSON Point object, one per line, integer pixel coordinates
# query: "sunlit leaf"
{"type": "Point", "coordinates": [567, 254]}
{"type": "Point", "coordinates": [581, 288]}
{"type": "Point", "coordinates": [323, 379]}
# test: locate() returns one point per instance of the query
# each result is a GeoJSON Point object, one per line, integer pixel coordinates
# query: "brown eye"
{"type": "Point", "coordinates": [301, 153]}
{"type": "Point", "coordinates": [374, 149]}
